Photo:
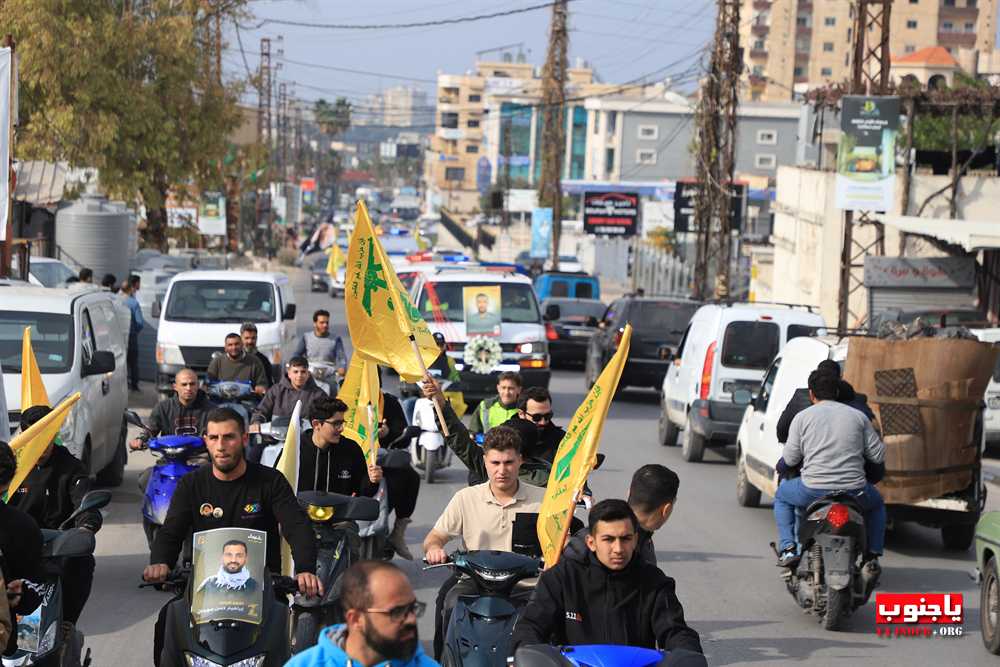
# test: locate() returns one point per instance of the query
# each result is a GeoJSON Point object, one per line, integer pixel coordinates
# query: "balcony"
{"type": "Point", "coordinates": [761, 4]}
{"type": "Point", "coordinates": [758, 53]}
{"type": "Point", "coordinates": [963, 40]}
{"type": "Point", "coordinates": [960, 13]}
{"type": "Point", "coordinates": [760, 29]}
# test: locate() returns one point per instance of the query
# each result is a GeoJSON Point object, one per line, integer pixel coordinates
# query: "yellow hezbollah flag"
{"type": "Point", "coordinates": [29, 445]}
{"type": "Point", "coordinates": [32, 388]}
{"type": "Point", "coordinates": [288, 465]}
{"type": "Point", "coordinates": [360, 384]}
{"type": "Point", "coordinates": [335, 261]}
{"type": "Point", "coordinates": [380, 316]}
{"type": "Point", "coordinates": [577, 455]}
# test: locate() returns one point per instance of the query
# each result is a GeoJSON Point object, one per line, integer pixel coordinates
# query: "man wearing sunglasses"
{"type": "Point", "coordinates": [330, 462]}
{"type": "Point", "coordinates": [380, 613]}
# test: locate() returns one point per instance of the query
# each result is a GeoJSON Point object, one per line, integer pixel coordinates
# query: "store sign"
{"type": "Point", "coordinates": [685, 197]}
{"type": "Point", "coordinates": [611, 213]}
{"type": "Point", "coordinates": [866, 155]}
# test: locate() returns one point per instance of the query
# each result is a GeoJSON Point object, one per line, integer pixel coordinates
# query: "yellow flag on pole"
{"type": "Point", "coordinates": [288, 466]}
{"type": "Point", "coordinates": [29, 445]}
{"type": "Point", "coordinates": [360, 423]}
{"type": "Point", "coordinates": [32, 388]}
{"type": "Point", "coordinates": [336, 259]}
{"type": "Point", "coordinates": [380, 316]}
{"type": "Point", "coordinates": [577, 456]}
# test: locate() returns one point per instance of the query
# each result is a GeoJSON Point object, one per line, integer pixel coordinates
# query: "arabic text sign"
{"type": "Point", "coordinates": [611, 213]}
{"type": "Point", "coordinates": [919, 614]}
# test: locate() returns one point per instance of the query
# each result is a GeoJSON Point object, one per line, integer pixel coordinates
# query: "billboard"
{"type": "Point", "coordinates": [866, 155]}
{"type": "Point", "coordinates": [541, 232]}
{"type": "Point", "coordinates": [684, 202]}
{"type": "Point", "coordinates": [212, 214]}
{"type": "Point", "coordinates": [611, 213]}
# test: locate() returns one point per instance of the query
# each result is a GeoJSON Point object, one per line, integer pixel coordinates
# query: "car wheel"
{"type": "Point", "coordinates": [692, 444]}
{"type": "Point", "coordinates": [958, 537]}
{"type": "Point", "coordinates": [114, 473]}
{"type": "Point", "coordinates": [989, 607]}
{"type": "Point", "coordinates": [747, 494]}
{"type": "Point", "coordinates": [666, 430]}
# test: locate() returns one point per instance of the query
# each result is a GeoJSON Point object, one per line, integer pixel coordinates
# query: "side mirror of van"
{"type": "Point", "coordinates": [742, 397]}
{"type": "Point", "coordinates": [102, 362]}
{"type": "Point", "coordinates": [155, 309]}
{"type": "Point", "coordinates": [552, 312]}
{"type": "Point", "coordinates": [289, 313]}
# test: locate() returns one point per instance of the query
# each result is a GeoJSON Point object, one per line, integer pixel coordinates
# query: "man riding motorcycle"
{"type": "Point", "coordinates": [51, 492]}
{"type": "Point", "coordinates": [297, 385]}
{"type": "Point", "coordinates": [238, 366]}
{"type": "Point", "coordinates": [248, 334]}
{"type": "Point", "coordinates": [232, 492]}
{"type": "Point", "coordinates": [500, 408]}
{"type": "Point", "coordinates": [608, 596]}
{"type": "Point", "coordinates": [319, 345]}
{"type": "Point", "coordinates": [482, 516]}
{"type": "Point", "coordinates": [832, 441]}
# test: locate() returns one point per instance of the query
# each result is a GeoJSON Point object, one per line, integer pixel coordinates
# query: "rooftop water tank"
{"type": "Point", "coordinates": [95, 233]}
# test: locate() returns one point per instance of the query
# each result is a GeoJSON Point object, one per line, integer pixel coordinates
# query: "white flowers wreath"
{"type": "Point", "coordinates": [482, 354]}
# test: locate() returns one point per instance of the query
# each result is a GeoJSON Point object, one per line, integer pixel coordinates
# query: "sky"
{"type": "Point", "coordinates": [624, 40]}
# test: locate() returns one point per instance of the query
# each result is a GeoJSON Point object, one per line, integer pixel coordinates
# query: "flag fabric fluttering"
{"type": "Point", "coordinates": [28, 446]}
{"type": "Point", "coordinates": [336, 259]}
{"type": "Point", "coordinates": [577, 456]}
{"type": "Point", "coordinates": [288, 466]}
{"type": "Point", "coordinates": [32, 388]}
{"type": "Point", "coordinates": [360, 390]}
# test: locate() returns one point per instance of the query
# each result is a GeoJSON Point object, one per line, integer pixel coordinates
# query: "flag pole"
{"type": "Point", "coordinates": [372, 429]}
{"type": "Point", "coordinates": [423, 367]}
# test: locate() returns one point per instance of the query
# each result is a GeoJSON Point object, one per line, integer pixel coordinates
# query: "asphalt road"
{"type": "Point", "coordinates": [717, 551]}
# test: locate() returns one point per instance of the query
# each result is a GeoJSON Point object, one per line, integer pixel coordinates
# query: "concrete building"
{"type": "Point", "coordinates": [405, 106]}
{"type": "Point", "coordinates": [794, 45]}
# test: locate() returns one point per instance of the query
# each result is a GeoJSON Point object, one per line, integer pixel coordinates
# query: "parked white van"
{"type": "Point", "coordinates": [201, 307]}
{"type": "Point", "coordinates": [726, 347]}
{"type": "Point", "coordinates": [76, 334]}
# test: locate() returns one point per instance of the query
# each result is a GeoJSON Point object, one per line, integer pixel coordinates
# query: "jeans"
{"type": "Point", "coordinates": [77, 579]}
{"type": "Point", "coordinates": [793, 494]}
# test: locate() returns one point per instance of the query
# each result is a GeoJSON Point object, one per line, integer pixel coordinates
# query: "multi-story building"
{"type": "Point", "coordinates": [405, 106]}
{"type": "Point", "coordinates": [791, 46]}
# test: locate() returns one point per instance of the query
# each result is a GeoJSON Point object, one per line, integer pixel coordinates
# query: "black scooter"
{"type": "Point", "coordinates": [333, 518]}
{"type": "Point", "coordinates": [41, 639]}
{"type": "Point", "coordinates": [478, 634]}
{"type": "Point", "coordinates": [828, 580]}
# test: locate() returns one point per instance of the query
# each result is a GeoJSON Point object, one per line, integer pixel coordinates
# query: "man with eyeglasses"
{"type": "Point", "coordinates": [380, 628]}
{"type": "Point", "coordinates": [330, 462]}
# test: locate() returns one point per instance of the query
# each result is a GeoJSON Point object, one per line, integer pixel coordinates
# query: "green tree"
{"type": "Point", "coordinates": [333, 119]}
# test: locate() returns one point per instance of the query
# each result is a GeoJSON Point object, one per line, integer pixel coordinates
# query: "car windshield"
{"type": "Point", "coordinates": [578, 310]}
{"type": "Point", "coordinates": [214, 301]}
{"type": "Point", "coordinates": [750, 344]}
{"type": "Point", "coordinates": [319, 266]}
{"type": "Point", "coordinates": [666, 318]}
{"type": "Point", "coordinates": [51, 274]}
{"type": "Point", "coordinates": [517, 302]}
{"type": "Point", "coordinates": [51, 339]}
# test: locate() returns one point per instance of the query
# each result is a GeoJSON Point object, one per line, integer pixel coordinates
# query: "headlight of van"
{"type": "Point", "coordinates": [169, 355]}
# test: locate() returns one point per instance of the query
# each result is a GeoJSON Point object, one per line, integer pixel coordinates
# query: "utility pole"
{"type": "Point", "coordinates": [715, 154]}
{"type": "Point", "coordinates": [554, 121]}
{"type": "Point", "coordinates": [869, 76]}
{"type": "Point", "coordinates": [283, 131]}
{"type": "Point", "coordinates": [264, 134]}
{"type": "Point", "coordinates": [507, 125]}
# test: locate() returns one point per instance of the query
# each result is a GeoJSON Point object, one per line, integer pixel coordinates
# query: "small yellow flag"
{"type": "Point", "coordinates": [32, 388]}
{"type": "Point", "coordinates": [288, 466]}
{"type": "Point", "coordinates": [577, 456]}
{"type": "Point", "coordinates": [336, 260]}
{"type": "Point", "coordinates": [360, 423]}
{"type": "Point", "coordinates": [29, 445]}
{"type": "Point", "coordinates": [380, 316]}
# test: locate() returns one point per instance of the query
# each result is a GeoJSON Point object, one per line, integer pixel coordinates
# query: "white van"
{"type": "Point", "coordinates": [523, 339]}
{"type": "Point", "coordinates": [725, 347]}
{"type": "Point", "coordinates": [201, 307]}
{"type": "Point", "coordinates": [77, 337]}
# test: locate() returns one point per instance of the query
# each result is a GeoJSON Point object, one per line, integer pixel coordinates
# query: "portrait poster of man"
{"type": "Point", "coordinates": [482, 310]}
{"type": "Point", "coordinates": [229, 571]}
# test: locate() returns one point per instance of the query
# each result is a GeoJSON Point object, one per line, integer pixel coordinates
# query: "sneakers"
{"type": "Point", "coordinates": [397, 538]}
{"type": "Point", "coordinates": [788, 558]}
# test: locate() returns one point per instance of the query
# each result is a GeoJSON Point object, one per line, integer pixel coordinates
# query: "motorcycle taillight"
{"type": "Point", "coordinates": [837, 516]}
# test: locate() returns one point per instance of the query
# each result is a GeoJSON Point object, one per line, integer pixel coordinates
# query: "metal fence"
{"type": "Point", "coordinates": [657, 272]}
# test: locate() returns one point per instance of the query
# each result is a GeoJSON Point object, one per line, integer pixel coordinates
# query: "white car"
{"type": "Point", "coordinates": [77, 337]}
{"type": "Point", "coordinates": [725, 347]}
{"type": "Point", "coordinates": [45, 271]}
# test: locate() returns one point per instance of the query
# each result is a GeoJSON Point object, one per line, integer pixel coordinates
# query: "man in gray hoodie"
{"type": "Point", "coordinates": [297, 385]}
{"type": "Point", "coordinates": [320, 345]}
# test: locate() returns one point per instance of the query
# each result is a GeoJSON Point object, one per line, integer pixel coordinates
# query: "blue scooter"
{"type": "Point", "coordinates": [592, 655]}
{"type": "Point", "coordinates": [178, 455]}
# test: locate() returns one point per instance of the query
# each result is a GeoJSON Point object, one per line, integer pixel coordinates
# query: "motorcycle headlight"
{"type": "Point", "coordinates": [48, 640]}
{"type": "Point", "coordinates": [169, 354]}
{"type": "Point", "coordinates": [317, 513]}
{"type": "Point", "coordinates": [198, 661]}
{"type": "Point", "coordinates": [320, 372]}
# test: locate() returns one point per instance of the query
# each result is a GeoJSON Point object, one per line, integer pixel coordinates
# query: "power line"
{"type": "Point", "coordinates": [348, 70]}
{"type": "Point", "coordinates": [400, 26]}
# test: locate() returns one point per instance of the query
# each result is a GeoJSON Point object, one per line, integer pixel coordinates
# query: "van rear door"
{"type": "Point", "coordinates": [747, 349]}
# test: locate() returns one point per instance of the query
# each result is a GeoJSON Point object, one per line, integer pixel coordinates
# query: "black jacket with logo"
{"type": "Point", "coordinates": [280, 400]}
{"type": "Point", "coordinates": [579, 601]}
{"type": "Point", "coordinates": [54, 489]}
{"type": "Point", "coordinates": [339, 468]}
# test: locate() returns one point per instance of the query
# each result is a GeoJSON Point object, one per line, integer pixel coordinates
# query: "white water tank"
{"type": "Point", "coordinates": [95, 233]}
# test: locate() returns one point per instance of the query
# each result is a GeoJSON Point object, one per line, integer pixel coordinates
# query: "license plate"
{"type": "Point", "coordinates": [993, 402]}
{"type": "Point", "coordinates": [580, 333]}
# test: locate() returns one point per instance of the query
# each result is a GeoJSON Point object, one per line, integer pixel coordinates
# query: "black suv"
{"type": "Point", "coordinates": [657, 326]}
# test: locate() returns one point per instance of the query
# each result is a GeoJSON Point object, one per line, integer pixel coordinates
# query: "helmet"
{"type": "Point", "coordinates": [439, 338]}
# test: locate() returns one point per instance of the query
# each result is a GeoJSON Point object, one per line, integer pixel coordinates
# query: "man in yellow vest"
{"type": "Point", "coordinates": [496, 411]}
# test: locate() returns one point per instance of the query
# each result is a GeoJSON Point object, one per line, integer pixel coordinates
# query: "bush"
{"type": "Point", "coordinates": [287, 257]}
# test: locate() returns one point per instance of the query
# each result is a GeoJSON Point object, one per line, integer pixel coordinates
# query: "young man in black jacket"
{"type": "Point", "coordinates": [608, 596]}
{"type": "Point", "coordinates": [50, 493]}
{"type": "Point", "coordinates": [330, 462]}
{"type": "Point", "coordinates": [297, 385]}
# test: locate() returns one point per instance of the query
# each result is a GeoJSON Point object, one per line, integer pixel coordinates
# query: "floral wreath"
{"type": "Point", "coordinates": [482, 354]}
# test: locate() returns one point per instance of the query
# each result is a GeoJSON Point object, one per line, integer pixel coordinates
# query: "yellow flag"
{"type": "Point", "coordinates": [288, 465]}
{"type": "Point", "coordinates": [32, 388]}
{"type": "Point", "coordinates": [29, 445]}
{"type": "Point", "coordinates": [360, 385]}
{"type": "Point", "coordinates": [577, 455]}
{"type": "Point", "coordinates": [336, 259]}
{"type": "Point", "coordinates": [421, 241]}
{"type": "Point", "coordinates": [380, 316]}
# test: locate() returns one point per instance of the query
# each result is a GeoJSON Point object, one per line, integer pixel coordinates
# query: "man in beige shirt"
{"type": "Point", "coordinates": [482, 516]}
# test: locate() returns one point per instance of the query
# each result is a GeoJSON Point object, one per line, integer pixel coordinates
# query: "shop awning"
{"type": "Point", "coordinates": [972, 235]}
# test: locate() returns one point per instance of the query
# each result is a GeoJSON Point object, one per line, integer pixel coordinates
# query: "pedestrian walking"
{"type": "Point", "coordinates": [129, 289]}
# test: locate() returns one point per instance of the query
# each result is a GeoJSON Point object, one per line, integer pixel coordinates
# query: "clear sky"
{"type": "Point", "coordinates": [624, 40]}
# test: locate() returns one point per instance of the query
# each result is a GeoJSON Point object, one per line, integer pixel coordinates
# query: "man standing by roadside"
{"type": "Point", "coordinates": [248, 332]}
{"type": "Point", "coordinates": [129, 289]}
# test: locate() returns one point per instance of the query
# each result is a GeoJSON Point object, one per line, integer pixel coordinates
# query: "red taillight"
{"type": "Point", "coordinates": [550, 332]}
{"type": "Point", "coordinates": [618, 338]}
{"type": "Point", "coordinates": [837, 516]}
{"type": "Point", "coordinates": [706, 372]}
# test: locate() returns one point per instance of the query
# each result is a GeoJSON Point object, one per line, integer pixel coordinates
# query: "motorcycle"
{"type": "Point", "coordinates": [590, 655]}
{"type": "Point", "coordinates": [326, 376]}
{"type": "Point", "coordinates": [427, 448]}
{"type": "Point", "coordinates": [333, 518]}
{"type": "Point", "coordinates": [828, 579]}
{"type": "Point", "coordinates": [42, 638]}
{"type": "Point", "coordinates": [235, 394]}
{"type": "Point", "coordinates": [180, 454]}
{"type": "Point", "coordinates": [479, 631]}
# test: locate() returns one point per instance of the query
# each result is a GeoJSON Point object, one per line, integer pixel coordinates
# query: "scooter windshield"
{"type": "Point", "coordinates": [228, 575]}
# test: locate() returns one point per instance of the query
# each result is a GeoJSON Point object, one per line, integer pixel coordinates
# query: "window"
{"type": "Point", "coordinates": [750, 344]}
{"type": "Point", "coordinates": [767, 137]}
{"type": "Point", "coordinates": [802, 21]}
{"type": "Point", "coordinates": [970, 27]}
{"type": "Point", "coordinates": [949, 3]}
{"type": "Point", "coordinates": [51, 337]}
{"type": "Point", "coordinates": [472, 123]}
{"type": "Point", "coordinates": [666, 318]}
{"type": "Point", "coordinates": [471, 148]}
{"type": "Point", "coordinates": [764, 160]}
{"type": "Point", "coordinates": [825, 71]}
{"type": "Point", "coordinates": [971, 4]}
{"type": "Point", "coordinates": [830, 20]}
{"type": "Point", "coordinates": [767, 386]}
{"type": "Point", "coordinates": [649, 132]}
{"type": "Point", "coordinates": [230, 301]}
{"type": "Point", "coordinates": [517, 302]}
{"type": "Point", "coordinates": [645, 156]}
{"type": "Point", "coordinates": [759, 45]}
{"type": "Point", "coordinates": [454, 173]}
{"type": "Point", "coordinates": [828, 47]}
{"type": "Point", "coordinates": [913, 2]}
{"type": "Point", "coordinates": [612, 121]}
{"type": "Point", "coordinates": [800, 330]}
{"type": "Point", "coordinates": [911, 24]}
{"type": "Point", "coordinates": [449, 120]}
{"type": "Point", "coordinates": [798, 71]}
{"type": "Point", "coordinates": [909, 48]}
{"type": "Point", "coordinates": [609, 160]}
{"type": "Point", "coordinates": [757, 70]}
{"type": "Point", "coordinates": [947, 26]}
{"type": "Point", "coordinates": [475, 98]}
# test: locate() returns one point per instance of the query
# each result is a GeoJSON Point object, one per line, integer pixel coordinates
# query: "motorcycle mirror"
{"type": "Point", "coordinates": [217, 355]}
{"type": "Point", "coordinates": [92, 501]}
{"type": "Point", "coordinates": [133, 418]}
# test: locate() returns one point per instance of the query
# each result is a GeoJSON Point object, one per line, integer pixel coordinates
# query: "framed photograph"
{"type": "Point", "coordinates": [228, 577]}
{"type": "Point", "coordinates": [482, 310]}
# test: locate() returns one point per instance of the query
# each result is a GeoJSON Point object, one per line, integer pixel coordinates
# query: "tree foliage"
{"type": "Point", "coordinates": [333, 119]}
